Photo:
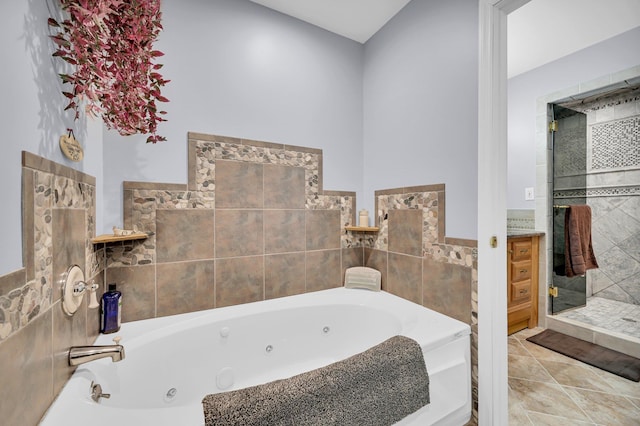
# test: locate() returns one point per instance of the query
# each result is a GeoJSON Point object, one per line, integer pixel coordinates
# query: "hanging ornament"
{"type": "Point", "coordinates": [70, 147]}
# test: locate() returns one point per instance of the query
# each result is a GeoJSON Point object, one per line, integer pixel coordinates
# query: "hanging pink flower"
{"type": "Point", "coordinates": [110, 45]}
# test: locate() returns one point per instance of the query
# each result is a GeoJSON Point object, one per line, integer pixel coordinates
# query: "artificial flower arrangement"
{"type": "Point", "coordinates": [109, 43]}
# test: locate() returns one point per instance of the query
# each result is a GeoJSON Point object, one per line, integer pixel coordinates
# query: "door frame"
{"type": "Point", "coordinates": [492, 210]}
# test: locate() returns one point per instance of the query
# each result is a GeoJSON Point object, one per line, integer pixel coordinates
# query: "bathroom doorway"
{"type": "Point", "coordinates": [596, 161]}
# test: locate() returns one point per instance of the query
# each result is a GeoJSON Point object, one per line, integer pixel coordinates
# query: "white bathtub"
{"type": "Point", "coordinates": [173, 362]}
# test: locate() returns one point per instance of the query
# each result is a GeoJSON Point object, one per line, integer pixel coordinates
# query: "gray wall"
{"type": "Point", "coordinates": [32, 116]}
{"type": "Point", "coordinates": [282, 80]}
{"type": "Point", "coordinates": [420, 106]}
{"type": "Point", "coordinates": [242, 70]}
{"type": "Point", "coordinates": [610, 56]}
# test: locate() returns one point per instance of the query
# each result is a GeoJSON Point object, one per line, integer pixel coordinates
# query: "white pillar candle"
{"type": "Point", "coordinates": [364, 218]}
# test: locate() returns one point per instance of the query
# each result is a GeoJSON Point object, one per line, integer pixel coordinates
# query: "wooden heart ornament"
{"type": "Point", "coordinates": [70, 147]}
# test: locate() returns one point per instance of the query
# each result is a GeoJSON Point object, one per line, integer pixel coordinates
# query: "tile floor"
{"type": "Point", "coordinates": [608, 314]}
{"type": "Point", "coordinates": [547, 388]}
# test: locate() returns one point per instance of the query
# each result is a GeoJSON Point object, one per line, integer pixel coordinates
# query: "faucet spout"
{"type": "Point", "coordinates": [82, 354]}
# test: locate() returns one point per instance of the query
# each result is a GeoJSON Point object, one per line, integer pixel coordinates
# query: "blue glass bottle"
{"type": "Point", "coordinates": [111, 310]}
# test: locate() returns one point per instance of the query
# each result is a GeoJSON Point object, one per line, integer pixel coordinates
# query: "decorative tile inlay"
{"type": "Point", "coordinates": [18, 307]}
{"type": "Point", "coordinates": [53, 187]}
{"type": "Point", "coordinates": [207, 150]}
{"type": "Point", "coordinates": [53, 191]}
{"type": "Point", "coordinates": [616, 144]}
{"type": "Point", "coordinates": [435, 247]}
{"type": "Point", "coordinates": [598, 192]}
{"type": "Point", "coordinates": [521, 219]}
{"type": "Point", "coordinates": [570, 146]}
{"type": "Point", "coordinates": [607, 102]}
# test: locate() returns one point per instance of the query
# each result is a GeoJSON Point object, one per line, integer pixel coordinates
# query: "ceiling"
{"type": "Point", "coordinates": [354, 19]}
{"type": "Point", "coordinates": [539, 32]}
{"type": "Point", "coordinates": [542, 31]}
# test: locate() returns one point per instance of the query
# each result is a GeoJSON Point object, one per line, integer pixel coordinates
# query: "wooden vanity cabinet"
{"type": "Point", "coordinates": [522, 283]}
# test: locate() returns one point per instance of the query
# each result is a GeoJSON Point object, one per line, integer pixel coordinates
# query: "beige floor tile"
{"type": "Point", "coordinates": [517, 413]}
{"type": "Point", "coordinates": [620, 385]}
{"type": "Point", "coordinates": [540, 419]}
{"type": "Point", "coordinates": [543, 353]}
{"type": "Point", "coordinates": [546, 398]}
{"type": "Point", "coordinates": [526, 333]}
{"type": "Point", "coordinates": [548, 388]}
{"type": "Point", "coordinates": [516, 348]}
{"type": "Point", "coordinates": [519, 418]}
{"type": "Point", "coordinates": [575, 375]}
{"type": "Point", "coordinates": [527, 367]}
{"type": "Point", "coordinates": [606, 409]}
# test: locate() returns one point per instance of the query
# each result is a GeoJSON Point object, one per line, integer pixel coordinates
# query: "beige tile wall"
{"type": "Point", "coordinates": [252, 223]}
{"type": "Point", "coordinates": [419, 263]}
{"type": "Point", "coordinates": [35, 334]}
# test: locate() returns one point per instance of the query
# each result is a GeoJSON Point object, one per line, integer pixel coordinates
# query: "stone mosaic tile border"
{"type": "Point", "coordinates": [608, 101]}
{"type": "Point", "coordinates": [431, 200]}
{"type": "Point", "coordinates": [463, 252]}
{"type": "Point", "coordinates": [46, 185]}
{"type": "Point", "coordinates": [598, 192]}
{"type": "Point", "coordinates": [143, 199]}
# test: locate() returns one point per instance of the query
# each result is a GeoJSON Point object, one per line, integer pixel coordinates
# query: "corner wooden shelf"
{"type": "Point", "coordinates": [109, 238]}
{"type": "Point", "coordinates": [362, 228]}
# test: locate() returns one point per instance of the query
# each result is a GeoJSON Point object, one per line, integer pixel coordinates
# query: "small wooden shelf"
{"type": "Point", "coordinates": [362, 228]}
{"type": "Point", "coordinates": [109, 238]}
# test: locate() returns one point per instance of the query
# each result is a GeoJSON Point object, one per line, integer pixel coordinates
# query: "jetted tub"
{"type": "Point", "coordinates": [173, 362]}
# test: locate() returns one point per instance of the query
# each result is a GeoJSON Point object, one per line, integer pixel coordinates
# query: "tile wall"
{"type": "Point", "coordinates": [418, 262]}
{"type": "Point", "coordinates": [521, 219]}
{"type": "Point", "coordinates": [609, 180]}
{"type": "Point", "coordinates": [253, 222]}
{"type": "Point", "coordinates": [58, 223]}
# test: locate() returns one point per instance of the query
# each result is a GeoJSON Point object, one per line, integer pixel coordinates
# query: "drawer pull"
{"type": "Point", "coordinates": [523, 251]}
{"type": "Point", "coordinates": [523, 271]}
{"type": "Point", "coordinates": [523, 291]}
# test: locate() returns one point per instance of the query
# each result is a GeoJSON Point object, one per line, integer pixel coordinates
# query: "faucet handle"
{"type": "Point", "coordinates": [96, 392]}
{"type": "Point", "coordinates": [93, 301]}
{"type": "Point", "coordinates": [117, 339]}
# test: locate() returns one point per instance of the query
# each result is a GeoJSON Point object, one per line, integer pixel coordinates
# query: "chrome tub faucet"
{"type": "Point", "coordinates": [81, 354]}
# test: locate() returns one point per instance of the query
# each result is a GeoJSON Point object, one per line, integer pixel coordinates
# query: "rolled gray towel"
{"type": "Point", "coordinates": [377, 387]}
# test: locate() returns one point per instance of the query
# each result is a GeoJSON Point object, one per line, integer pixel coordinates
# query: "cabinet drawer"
{"type": "Point", "coordinates": [520, 292]}
{"type": "Point", "coordinates": [520, 271]}
{"type": "Point", "coordinates": [520, 250]}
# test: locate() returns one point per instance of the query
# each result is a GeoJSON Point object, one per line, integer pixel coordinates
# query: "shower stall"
{"type": "Point", "coordinates": [595, 144]}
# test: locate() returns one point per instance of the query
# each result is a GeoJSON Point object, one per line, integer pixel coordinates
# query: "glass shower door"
{"type": "Point", "coordinates": [569, 144]}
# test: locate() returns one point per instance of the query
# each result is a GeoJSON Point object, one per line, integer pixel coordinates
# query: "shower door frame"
{"type": "Point", "coordinates": [544, 180]}
{"type": "Point", "coordinates": [570, 293]}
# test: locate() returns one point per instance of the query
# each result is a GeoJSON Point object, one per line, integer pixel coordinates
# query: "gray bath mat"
{"type": "Point", "coordinates": [606, 359]}
{"type": "Point", "coordinates": [377, 387]}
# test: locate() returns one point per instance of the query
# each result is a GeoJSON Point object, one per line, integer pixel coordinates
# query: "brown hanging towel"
{"type": "Point", "coordinates": [579, 255]}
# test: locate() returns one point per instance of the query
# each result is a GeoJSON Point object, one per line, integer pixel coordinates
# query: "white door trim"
{"type": "Point", "coordinates": [492, 211]}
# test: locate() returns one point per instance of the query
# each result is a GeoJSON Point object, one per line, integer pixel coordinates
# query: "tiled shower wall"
{"type": "Point", "coordinates": [610, 181]}
{"type": "Point", "coordinates": [58, 223]}
{"type": "Point", "coordinates": [252, 223]}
